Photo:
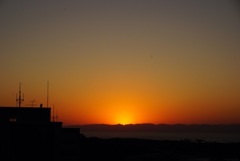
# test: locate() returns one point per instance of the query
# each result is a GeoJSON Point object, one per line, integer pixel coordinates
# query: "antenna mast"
{"type": "Point", "coordinates": [47, 91]}
{"type": "Point", "coordinates": [19, 98]}
{"type": "Point", "coordinates": [53, 114]}
{"type": "Point", "coordinates": [56, 116]}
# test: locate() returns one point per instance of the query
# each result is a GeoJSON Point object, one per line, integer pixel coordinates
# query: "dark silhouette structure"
{"type": "Point", "coordinates": [28, 133]}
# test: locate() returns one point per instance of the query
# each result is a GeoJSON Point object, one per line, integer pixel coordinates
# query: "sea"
{"type": "Point", "coordinates": [193, 136]}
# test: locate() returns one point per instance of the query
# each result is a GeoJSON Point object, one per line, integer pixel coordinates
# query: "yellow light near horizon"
{"type": "Point", "coordinates": [123, 121]}
{"type": "Point", "coordinates": [124, 118]}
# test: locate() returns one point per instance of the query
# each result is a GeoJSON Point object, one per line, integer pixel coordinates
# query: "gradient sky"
{"type": "Point", "coordinates": [123, 61]}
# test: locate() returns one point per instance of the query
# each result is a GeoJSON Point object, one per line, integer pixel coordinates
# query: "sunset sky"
{"type": "Point", "coordinates": [123, 61]}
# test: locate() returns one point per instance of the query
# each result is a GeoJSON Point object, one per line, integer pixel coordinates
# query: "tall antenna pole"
{"type": "Point", "coordinates": [47, 91]}
{"type": "Point", "coordinates": [53, 114]}
{"type": "Point", "coordinates": [56, 116]}
{"type": "Point", "coordinates": [19, 99]}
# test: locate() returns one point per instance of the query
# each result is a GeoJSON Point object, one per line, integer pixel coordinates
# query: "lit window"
{"type": "Point", "coordinates": [13, 119]}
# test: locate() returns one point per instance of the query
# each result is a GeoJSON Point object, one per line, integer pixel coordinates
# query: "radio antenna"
{"type": "Point", "coordinates": [19, 98]}
{"type": "Point", "coordinates": [47, 92]}
{"type": "Point", "coordinates": [56, 116]}
{"type": "Point", "coordinates": [53, 114]}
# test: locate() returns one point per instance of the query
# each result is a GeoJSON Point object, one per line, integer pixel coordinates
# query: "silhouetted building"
{"type": "Point", "coordinates": [28, 132]}
{"type": "Point", "coordinates": [24, 115]}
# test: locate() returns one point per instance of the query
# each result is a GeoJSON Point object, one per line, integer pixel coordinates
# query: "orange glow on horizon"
{"type": "Point", "coordinates": [131, 113]}
{"type": "Point", "coordinates": [124, 118]}
{"type": "Point", "coordinates": [130, 107]}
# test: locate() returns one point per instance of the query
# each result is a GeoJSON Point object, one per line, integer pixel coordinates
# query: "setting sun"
{"type": "Point", "coordinates": [124, 118]}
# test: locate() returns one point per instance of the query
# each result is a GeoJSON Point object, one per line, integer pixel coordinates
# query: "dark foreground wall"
{"type": "Point", "coordinates": [27, 142]}
{"type": "Point", "coordinates": [130, 149]}
{"type": "Point", "coordinates": [71, 147]}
